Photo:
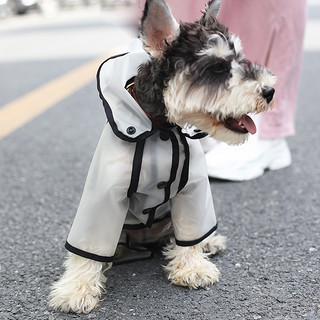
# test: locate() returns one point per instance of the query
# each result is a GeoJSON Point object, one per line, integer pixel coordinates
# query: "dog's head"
{"type": "Point", "coordinates": [198, 75]}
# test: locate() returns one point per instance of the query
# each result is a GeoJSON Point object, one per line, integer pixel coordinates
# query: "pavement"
{"type": "Point", "coordinates": [271, 267]}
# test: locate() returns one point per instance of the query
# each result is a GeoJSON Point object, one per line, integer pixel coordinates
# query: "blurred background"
{"type": "Point", "coordinates": [52, 7]}
{"type": "Point", "coordinates": [38, 29]}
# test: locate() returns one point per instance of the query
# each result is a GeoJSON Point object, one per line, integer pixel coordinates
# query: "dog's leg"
{"type": "Point", "coordinates": [79, 289]}
{"type": "Point", "coordinates": [213, 244]}
{"type": "Point", "coordinates": [190, 266]}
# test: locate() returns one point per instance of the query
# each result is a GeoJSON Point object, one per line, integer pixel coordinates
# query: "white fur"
{"type": "Point", "coordinates": [81, 286]}
{"type": "Point", "coordinates": [237, 44]}
{"type": "Point", "coordinates": [190, 266]}
{"type": "Point", "coordinates": [220, 48]}
{"type": "Point", "coordinates": [214, 244]}
{"type": "Point", "coordinates": [221, 133]}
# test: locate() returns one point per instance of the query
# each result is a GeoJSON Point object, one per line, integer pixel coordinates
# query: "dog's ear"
{"type": "Point", "coordinates": [212, 8]}
{"type": "Point", "coordinates": [158, 27]}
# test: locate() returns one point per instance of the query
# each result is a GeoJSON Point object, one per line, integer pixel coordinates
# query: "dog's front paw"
{"type": "Point", "coordinates": [73, 298]}
{"type": "Point", "coordinates": [190, 267]}
{"type": "Point", "coordinates": [80, 288]}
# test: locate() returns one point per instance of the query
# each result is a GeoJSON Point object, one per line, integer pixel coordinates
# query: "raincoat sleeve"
{"type": "Point", "coordinates": [104, 204]}
{"type": "Point", "coordinates": [192, 209]}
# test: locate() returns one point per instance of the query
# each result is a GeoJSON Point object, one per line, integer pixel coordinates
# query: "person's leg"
{"type": "Point", "coordinates": [285, 61]}
{"type": "Point", "coordinates": [276, 41]}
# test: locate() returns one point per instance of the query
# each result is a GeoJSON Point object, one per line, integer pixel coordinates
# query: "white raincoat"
{"type": "Point", "coordinates": [140, 172]}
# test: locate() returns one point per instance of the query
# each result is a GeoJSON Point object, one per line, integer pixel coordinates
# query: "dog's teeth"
{"type": "Point", "coordinates": [241, 125]}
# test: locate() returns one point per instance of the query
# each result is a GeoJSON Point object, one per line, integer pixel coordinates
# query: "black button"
{"type": "Point", "coordinates": [131, 130]}
{"type": "Point", "coordinates": [162, 185]}
{"type": "Point", "coordinates": [164, 136]}
{"type": "Point", "coordinates": [147, 211]}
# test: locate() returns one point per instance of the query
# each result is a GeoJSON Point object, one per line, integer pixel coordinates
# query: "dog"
{"type": "Point", "coordinates": [176, 84]}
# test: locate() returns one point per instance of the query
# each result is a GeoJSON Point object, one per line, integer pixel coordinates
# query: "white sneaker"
{"type": "Point", "coordinates": [248, 161]}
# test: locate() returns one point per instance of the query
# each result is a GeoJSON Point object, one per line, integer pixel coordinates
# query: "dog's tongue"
{"type": "Point", "coordinates": [248, 123]}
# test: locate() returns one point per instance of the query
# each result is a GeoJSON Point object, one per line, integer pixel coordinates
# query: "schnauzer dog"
{"type": "Point", "coordinates": [176, 84]}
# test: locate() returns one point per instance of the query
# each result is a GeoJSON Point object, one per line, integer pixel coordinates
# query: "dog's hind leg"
{"type": "Point", "coordinates": [81, 286]}
{"type": "Point", "coordinates": [190, 266]}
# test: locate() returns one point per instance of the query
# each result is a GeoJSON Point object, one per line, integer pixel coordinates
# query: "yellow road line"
{"type": "Point", "coordinates": [18, 112]}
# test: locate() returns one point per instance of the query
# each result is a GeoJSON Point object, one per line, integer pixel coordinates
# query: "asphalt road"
{"type": "Point", "coordinates": [271, 268]}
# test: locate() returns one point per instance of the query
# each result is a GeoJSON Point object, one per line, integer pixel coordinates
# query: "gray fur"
{"type": "Point", "coordinates": [213, 8]}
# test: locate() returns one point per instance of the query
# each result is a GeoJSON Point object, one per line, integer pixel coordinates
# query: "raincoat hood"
{"type": "Point", "coordinates": [127, 119]}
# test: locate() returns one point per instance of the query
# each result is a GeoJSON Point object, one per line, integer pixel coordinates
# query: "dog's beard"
{"type": "Point", "coordinates": [228, 128]}
{"type": "Point", "coordinates": [214, 128]}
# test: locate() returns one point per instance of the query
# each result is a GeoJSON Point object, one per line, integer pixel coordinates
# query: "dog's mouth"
{"type": "Point", "coordinates": [243, 124]}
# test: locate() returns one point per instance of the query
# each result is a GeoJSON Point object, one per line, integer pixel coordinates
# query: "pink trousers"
{"type": "Point", "coordinates": [271, 32]}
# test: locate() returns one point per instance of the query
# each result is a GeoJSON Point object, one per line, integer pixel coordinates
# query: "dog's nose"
{"type": "Point", "coordinates": [268, 93]}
